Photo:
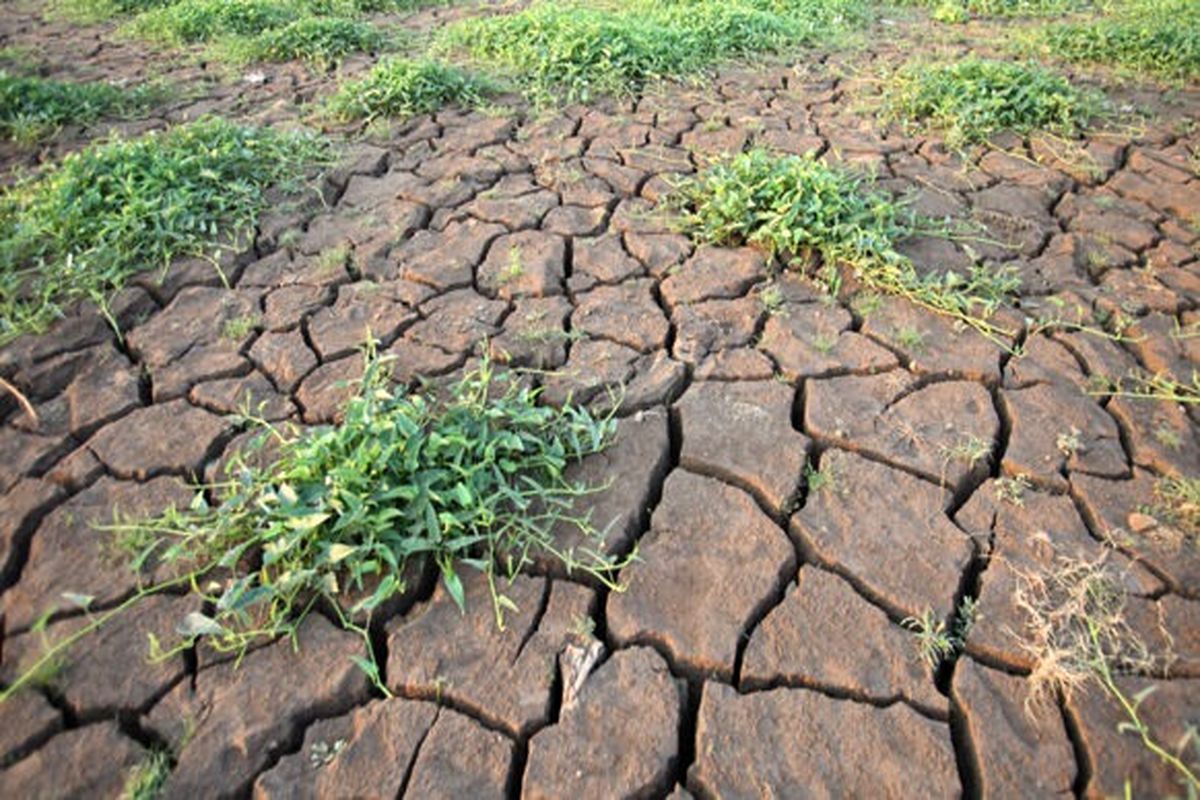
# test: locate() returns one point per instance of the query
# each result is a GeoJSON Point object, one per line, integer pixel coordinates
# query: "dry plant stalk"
{"type": "Point", "coordinates": [1076, 629]}
{"type": "Point", "coordinates": [22, 400]}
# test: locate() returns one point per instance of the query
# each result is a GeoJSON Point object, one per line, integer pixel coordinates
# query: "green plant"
{"type": "Point", "coordinates": [322, 41]}
{"type": "Point", "coordinates": [81, 229]}
{"type": "Point", "coordinates": [1160, 38]}
{"type": "Point", "coordinates": [1144, 386]}
{"type": "Point", "coordinates": [573, 51]}
{"type": "Point", "coordinates": [818, 480]}
{"type": "Point", "coordinates": [973, 99]}
{"type": "Point", "coordinates": [472, 480]}
{"type": "Point", "coordinates": [189, 21]}
{"type": "Point", "coordinates": [239, 328]}
{"type": "Point", "coordinates": [1012, 490]}
{"type": "Point", "coordinates": [935, 643]}
{"type": "Point", "coordinates": [798, 208]}
{"type": "Point", "coordinates": [145, 780]}
{"type": "Point", "coordinates": [32, 107]}
{"type": "Point", "coordinates": [400, 87]}
{"type": "Point", "coordinates": [958, 10]}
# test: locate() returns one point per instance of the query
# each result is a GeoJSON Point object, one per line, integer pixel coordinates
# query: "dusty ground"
{"type": "Point", "coordinates": [757, 650]}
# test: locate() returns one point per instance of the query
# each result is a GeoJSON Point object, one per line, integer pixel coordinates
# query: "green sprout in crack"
{"type": "Point", "coordinates": [935, 642]}
{"type": "Point", "coordinates": [146, 779]}
{"type": "Point", "coordinates": [1012, 490]}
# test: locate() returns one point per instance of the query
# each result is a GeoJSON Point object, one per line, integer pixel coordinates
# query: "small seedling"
{"type": "Point", "coordinates": [818, 480]}
{"type": "Point", "coordinates": [910, 338]}
{"type": "Point", "coordinates": [1012, 490]}
{"type": "Point", "coordinates": [322, 754]}
{"type": "Point", "coordinates": [1068, 442]}
{"type": "Point", "coordinates": [146, 779]}
{"type": "Point", "coordinates": [935, 643]}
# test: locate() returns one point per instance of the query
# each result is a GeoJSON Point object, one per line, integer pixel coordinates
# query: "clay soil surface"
{"type": "Point", "coordinates": [758, 649]}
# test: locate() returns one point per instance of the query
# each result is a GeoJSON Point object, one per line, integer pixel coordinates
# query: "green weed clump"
{"type": "Point", "coordinates": [191, 21]}
{"type": "Point", "coordinates": [318, 40]}
{"type": "Point", "coordinates": [574, 51]}
{"type": "Point", "coordinates": [114, 209]}
{"type": "Point", "coordinates": [1159, 38]}
{"type": "Point", "coordinates": [473, 480]}
{"type": "Point", "coordinates": [798, 208]}
{"type": "Point", "coordinates": [401, 87]}
{"type": "Point", "coordinates": [32, 108]}
{"type": "Point", "coordinates": [959, 10]}
{"type": "Point", "coordinates": [973, 99]}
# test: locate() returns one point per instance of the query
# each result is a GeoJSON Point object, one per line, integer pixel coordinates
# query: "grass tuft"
{"type": "Point", "coordinates": [190, 21]}
{"type": "Point", "coordinates": [474, 480]}
{"type": "Point", "coordinates": [798, 208]}
{"type": "Point", "coordinates": [973, 99]}
{"type": "Point", "coordinates": [574, 51]}
{"type": "Point", "coordinates": [401, 87]}
{"type": "Point", "coordinates": [146, 779]}
{"type": "Point", "coordinates": [32, 108]}
{"type": "Point", "coordinates": [959, 10]}
{"type": "Point", "coordinates": [114, 209]}
{"type": "Point", "coordinates": [1159, 38]}
{"type": "Point", "coordinates": [322, 41]}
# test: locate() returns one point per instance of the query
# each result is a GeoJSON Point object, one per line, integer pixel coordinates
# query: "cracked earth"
{"type": "Point", "coordinates": [757, 649]}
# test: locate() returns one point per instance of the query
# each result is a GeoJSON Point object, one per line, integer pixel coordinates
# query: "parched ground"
{"type": "Point", "coordinates": [757, 650]}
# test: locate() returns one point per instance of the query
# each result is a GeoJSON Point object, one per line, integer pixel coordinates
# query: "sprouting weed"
{"type": "Point", "coordinates": [1068, 442]}
{"type": "Point", "coordinates": [322, 754]}
{"type": "Point", "coordinates": [935, 643]}
{"type": "Point", "coordinates": [1012, 490]}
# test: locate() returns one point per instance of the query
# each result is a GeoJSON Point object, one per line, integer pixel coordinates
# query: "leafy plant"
{"type": "Point", "coordinates": [114, 209]}
{"type": "Point", "coordinates": [318, 40]}
{"type": "Point", "coordinates": [798, 208]}
{"type": "Point", "coordinates": [958, 10]}
{"type": "Point", "coordinates": [189, 21]}
{"type": "Point", "coordinates": [32, 107]}
{"type": "Point", "coordinates": [935, 643]}
{"type": "Point", "coordinates": [1160, 38]}
{"type": "Point", "coordinates": [574, 51]}
{"type": "Point", "coordinates": [399, 87]}
{"type": "Point", "coordinates": [973, 99]}
{"type": "Point", "coordinates": [1145, 386]}
{"type": "Point", "coordinates": [472, 480]}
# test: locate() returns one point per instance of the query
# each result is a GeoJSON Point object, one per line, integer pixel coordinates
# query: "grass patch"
{"type": "Point", "coordinates": [474, 480]}
{"type": "Point", "coordinates": [959, 10]}
{"type": "Point", "coordinates": [1159, 38]}
{"type": "Point", "coordinates": [190, 21]}
{"type": "Point", "coordinates": [322, 41]}
{"type": "Point", "coordinates": [121, 207]}
{"type": "Point", "coordinates": [800, 210]}
{"type": "Point", "coordinates": [574, 51]}
{"type": "Point", "coordinates": [400, 87]}
{"type": "Point", "coordinates": [32, 108]}
{"type": "Point", "coordinates": [971, 100]}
